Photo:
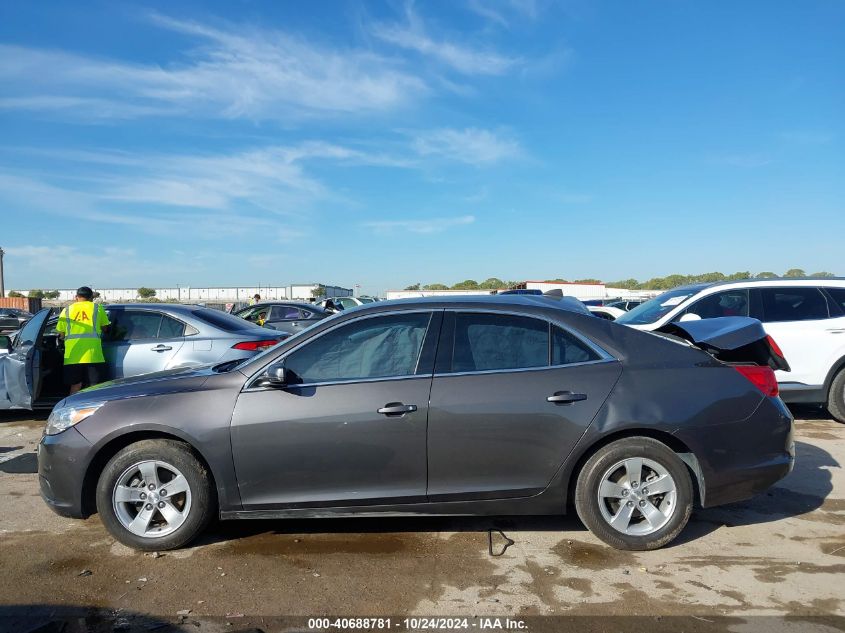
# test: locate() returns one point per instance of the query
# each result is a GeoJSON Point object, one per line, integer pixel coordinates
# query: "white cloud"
{"type": "Point", "coordinates": [496, 11]}
{"type": "Point", "coordinates": [458, 56]}
{"type": "Point", "coordinates": [470, 145]}
{"type": "Point", "coordinates": [238, 72]}
{"type": "Point", "coordinates": [428, 226]}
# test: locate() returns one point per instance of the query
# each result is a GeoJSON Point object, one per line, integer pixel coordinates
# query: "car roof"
{"type": "Point", "coordinates": [569, 304]}
{"type": "Point", "coordinates": [775, 281]}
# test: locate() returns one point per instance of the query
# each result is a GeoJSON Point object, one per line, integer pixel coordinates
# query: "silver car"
{"type": "Point", "coordinates": [143, 338]}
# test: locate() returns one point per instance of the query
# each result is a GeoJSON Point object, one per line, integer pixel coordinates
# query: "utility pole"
{"type": "Point", "coordinates": [2, 285]}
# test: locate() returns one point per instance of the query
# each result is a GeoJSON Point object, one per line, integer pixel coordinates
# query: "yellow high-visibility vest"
{"type": "Point", "coordinates": [82, 324]}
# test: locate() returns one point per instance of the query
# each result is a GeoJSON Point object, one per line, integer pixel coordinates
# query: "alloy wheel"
{"type": "Point", "coordinates": [637, 496]}
{"type": "Point", "coordinates": [151, 499]}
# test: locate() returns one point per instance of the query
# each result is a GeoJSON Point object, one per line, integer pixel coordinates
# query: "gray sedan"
{"type": "Point", "coordinates": [462, 406]}
{"type": "Point", "coordinates": [143, 338]}
{"type": "Point", "coordinates": [285, 316]}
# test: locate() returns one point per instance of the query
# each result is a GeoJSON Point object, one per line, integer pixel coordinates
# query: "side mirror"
{"type": "Point", "coordinates": [275, 376]}
{"type": "Point", "coordinates": [690, 316]}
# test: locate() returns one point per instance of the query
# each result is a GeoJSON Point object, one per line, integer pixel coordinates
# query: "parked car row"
{"type": "Point", "coordinates": [142, 338]}
{"type": "Point", "coordinates": [12, 319]}
{"type": "Point", "coordinates": [805, 316]}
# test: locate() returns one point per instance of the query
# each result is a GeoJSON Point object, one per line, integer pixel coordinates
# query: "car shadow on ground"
{"type": "Point", "coordinates": [803, 491]}
{"type": "Point", "coordinates": [23, 415]}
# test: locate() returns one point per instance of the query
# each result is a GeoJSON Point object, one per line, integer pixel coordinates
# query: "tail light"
{"type": "Point", "coordinates": [762, 377]}
{"type": "Point", "coordinates": [774, 347]}
{"type": "Point", "coordinates": [253, 346]}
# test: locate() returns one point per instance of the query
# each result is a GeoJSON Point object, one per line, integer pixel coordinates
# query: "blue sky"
{"type": "Point", "coordinates": [383, 144]}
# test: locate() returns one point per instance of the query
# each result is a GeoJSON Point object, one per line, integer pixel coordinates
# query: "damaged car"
{"type": "Point", "coordinates": [142, 338]}
{"type": "Point", "coordinates": [474, 405]}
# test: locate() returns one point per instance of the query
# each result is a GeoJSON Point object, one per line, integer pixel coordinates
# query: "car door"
{"type": "Point", "coordinates": [511, 396]}
{"type": "Point", "coordinates": [133, 347]}
{"type": "Point", "coordinates": [20, 369]}
{"type": "Point", "coordinates": [798, 319]}
{"type": "Point", "coordinates": [350, 428]}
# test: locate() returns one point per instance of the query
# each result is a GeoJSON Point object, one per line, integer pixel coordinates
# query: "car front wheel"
{"type": "Point", "coordinates": [634, 494]}
{"type": "Point", "coordinates": [155, 495]}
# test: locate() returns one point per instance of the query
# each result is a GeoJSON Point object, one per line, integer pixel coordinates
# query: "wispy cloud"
{"type": "Point", "coordinates": [412, 35]}
{"type": "Point", "coordinates": [470, 145]}
{"type": "Point", "coordinates": [497, 11]}
{"type": "Point", "coordinates": [744, 160]}
{"type": "Point", "coordinates": [428, 226]}
{"type": "Point", "coordinates": [238, 72]}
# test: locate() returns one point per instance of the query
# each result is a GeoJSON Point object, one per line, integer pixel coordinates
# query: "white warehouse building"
{"type": "Point", "coordinates": [581, 291]}
{"type": "Point", "coordinates": [190, 294]}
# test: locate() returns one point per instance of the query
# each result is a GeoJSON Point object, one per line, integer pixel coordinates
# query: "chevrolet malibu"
{"type": "Point", "coordinates": [451, 406]}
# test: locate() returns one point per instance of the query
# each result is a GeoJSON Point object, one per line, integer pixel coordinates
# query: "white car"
{"type": "Point", "coordinates": [608, 313]}
{"type": "Point", "coordinates": [805, 317]}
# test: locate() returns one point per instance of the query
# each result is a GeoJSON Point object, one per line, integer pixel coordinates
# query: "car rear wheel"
{"type": "Point", "coordinates": [155, 495]}
{"type": "Point", "coordinates": [634, 494]}
{"type": "Point", "coordinates": [836, 397]}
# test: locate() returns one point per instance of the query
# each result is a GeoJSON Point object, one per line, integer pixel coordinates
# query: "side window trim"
{"type": "Point", "coordinates": [433, 318]}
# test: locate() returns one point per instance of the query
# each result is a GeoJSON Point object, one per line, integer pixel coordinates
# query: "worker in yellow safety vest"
{"type": "Point", "coordinates": [81, 326]}
{"type": "Point", "coordinates": [255, 299]}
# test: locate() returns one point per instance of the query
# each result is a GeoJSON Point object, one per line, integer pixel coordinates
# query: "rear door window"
{"type": "Point", "coordinates": [171, 328]}
{"type": "Point", "coordinates": [485, 342]}
{"type": "Point", "coordinates": [128, 325]}
{"type": "Point", "coordinates": [721, 304]}
{"type": "Point", "coordinates": [793, 304]}
{"type": "Point", "coordinates": [285, 313]}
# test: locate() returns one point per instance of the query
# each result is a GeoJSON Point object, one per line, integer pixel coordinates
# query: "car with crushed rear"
{"type": "Point", "coordinates": [479, 405]}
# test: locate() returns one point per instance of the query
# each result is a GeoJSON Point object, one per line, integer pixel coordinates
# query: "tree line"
{"type": "Point", "coordinates": [655, 283]}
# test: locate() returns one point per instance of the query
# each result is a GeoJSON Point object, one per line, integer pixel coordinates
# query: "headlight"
{"type": "Point", "coordinates": [63, 418]}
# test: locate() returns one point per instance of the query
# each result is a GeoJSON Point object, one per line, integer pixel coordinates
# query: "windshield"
{"type": "Point", "coordinates": [224, 321]}
{"type": "Point", "coordinates": [656, 308]}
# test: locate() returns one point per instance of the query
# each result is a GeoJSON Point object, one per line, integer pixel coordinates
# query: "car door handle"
{"type": "Point", "coordinates": [397, 408]}
{"type": "Point", "coordinates": [161, 348]}
{"type": "Point", "coordinates": [566, 397]}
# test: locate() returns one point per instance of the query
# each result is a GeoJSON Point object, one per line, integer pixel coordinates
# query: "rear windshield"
{"type": "Point", "coordinates": [224, 321]}
{"type": "Point", "coordinates": [657, 308]}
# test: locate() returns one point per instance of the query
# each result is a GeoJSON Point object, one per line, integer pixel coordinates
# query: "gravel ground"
{"type": "Point", "coordinates": [780, 554]}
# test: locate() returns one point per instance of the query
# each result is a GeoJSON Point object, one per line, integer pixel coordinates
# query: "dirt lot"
{"type": "Point", "coordinates": [782, 553]}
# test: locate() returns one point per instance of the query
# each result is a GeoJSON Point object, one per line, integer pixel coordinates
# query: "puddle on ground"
{"type": "Point", "coordinates": [591, 556]}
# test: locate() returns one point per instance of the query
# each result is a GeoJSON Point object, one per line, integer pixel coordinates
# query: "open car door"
{"type": "Point", "coordinates": [20, 369]}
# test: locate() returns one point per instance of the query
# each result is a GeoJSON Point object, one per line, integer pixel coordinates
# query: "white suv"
{"type": "Point", "coordinates": [805, 317]}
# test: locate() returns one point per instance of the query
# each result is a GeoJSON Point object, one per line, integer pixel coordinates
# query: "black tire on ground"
{"type": "Point", "coordinates": [589, 479]}
{"type": "Point", "coordinates": [203, 496]}
{"type": "Point", "coordinates": [836, 397]}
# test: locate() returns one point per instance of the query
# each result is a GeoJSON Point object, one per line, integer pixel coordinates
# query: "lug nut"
{"type": "Point", "coordinates": [161, 504]}
{"type": "Point", "coordinates": [630, 504]}
{"type": "Point", "coordinates": [163, 492]}
{"type": "Point", "coordinates": [645, 491]}
{"type": "Point", "coordinates": [633, 485]}
{"type": "Point", "coordinates": [642, 504]}
{"type": "Point", "coordinates": [143, 495]}
{"type": "Point", "coordinates": [152, 486]}
{"type": "Point", "coordinates": [624, 493]}
{"type": "Point", "coordinates": [149, 506]}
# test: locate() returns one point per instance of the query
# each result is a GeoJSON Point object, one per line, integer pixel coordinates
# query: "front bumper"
{"type": "Point", "coordinates": [739, 460]}
{"type": "Point", "coordinates": [62, 461]}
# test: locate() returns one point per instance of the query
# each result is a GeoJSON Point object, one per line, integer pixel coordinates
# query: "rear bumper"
{"type": "Point", "coordinates": [797, 393]}
{"type": "Point", "coordinates": [62, 460]}
{"type": "Point", "coordinates": [739, 460]}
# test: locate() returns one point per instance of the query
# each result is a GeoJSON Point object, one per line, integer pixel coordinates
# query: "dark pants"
{"type": "Point", "coordinates": [86, 373]}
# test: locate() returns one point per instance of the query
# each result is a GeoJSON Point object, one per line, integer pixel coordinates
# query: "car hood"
{"type": "Point", "coordinates": [158, 383]}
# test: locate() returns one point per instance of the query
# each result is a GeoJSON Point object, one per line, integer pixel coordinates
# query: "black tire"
{"type": "Point", "coordinates": [203, 499]}
{"type": "Point", "coordinates": [590, 478]}
{"type": "Point", "coordinates": [836, 397]}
